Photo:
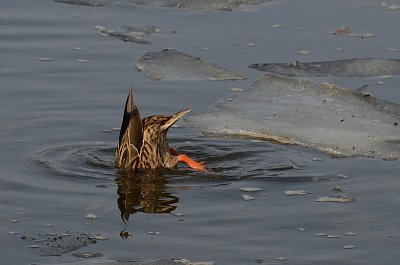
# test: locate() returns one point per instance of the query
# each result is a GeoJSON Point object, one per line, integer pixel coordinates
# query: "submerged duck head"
{"type": "Point", "coordinates": [143, 143]}
{"type": "Point", "coordinates": [155, 127]}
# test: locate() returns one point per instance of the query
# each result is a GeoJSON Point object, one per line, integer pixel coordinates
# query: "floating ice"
{"type": "Point", "coordinates": [203, 5]}
{"type": "Point", "coordinates": [345, 31]}
{"type": "Point", "coordinates": [91, 216]}
{"type": "Point", "coordinates": [296, 192]}
{"type": "Point", "coordinates": [349, 247]}
{"type": "Point", "coordinates": [250, 189]}
{"type": "Point", "coordinates": [173, 65]}
{"type": "Point", "coordinates": [357, 67]}
{"type": "Point", "coordinates": [247, 197]}
{"type": "Point", "coordinates": [130, 34]}
{"type": "Point", "coordinates": [390, 6]}
{"type": "Point", "coordinates": [98, 260]}
{"type": "Point", "coordinates": [83, 2]}
{"type": "Point", "coordinates": [324, 116]}
{"type": "Point", "coordinates": [334, 199]}
{"type": "Point", "coordinates": [87, 255]}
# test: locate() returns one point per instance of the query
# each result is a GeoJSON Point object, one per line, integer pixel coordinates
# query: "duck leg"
{"type": "Point", "coordinates": [190, 162]}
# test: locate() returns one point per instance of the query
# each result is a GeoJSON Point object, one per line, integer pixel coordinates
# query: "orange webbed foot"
{"type": "Point", "coordinates": [190, 162]}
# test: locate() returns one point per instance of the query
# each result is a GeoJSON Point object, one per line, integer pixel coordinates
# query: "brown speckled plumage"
{"type": "Point", "coordinates": [143, 143]}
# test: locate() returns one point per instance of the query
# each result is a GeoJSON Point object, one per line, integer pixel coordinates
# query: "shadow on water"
{"type": "Point", "coordinates": [144, 192]}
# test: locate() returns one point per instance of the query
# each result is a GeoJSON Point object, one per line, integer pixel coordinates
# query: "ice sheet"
{"type": "Point", "coordinates": [203, 5]}
{"type": "Point", "coordinates": [169, 64]}
{"type": "Point", "coordinates": [356, 67]}
{"type": "Point", "coordinates": [324, 116]}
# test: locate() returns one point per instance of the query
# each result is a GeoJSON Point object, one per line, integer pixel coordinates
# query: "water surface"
{"type": "Point", "coordinates": [62, 94]}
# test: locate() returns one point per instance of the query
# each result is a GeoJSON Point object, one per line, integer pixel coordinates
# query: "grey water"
{"type": "Point", "coordinates": [62, 92]}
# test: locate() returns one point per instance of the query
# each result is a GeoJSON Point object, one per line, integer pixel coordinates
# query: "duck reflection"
{"type": "Point", "coordinates": [144, 191]}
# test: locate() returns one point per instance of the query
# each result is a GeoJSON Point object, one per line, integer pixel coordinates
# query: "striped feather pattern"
{"type": "Point", "coordinates": [143, 143]}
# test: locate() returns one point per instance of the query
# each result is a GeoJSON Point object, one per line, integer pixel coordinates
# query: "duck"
{"type": "Point", "coordinates": [143, 143]}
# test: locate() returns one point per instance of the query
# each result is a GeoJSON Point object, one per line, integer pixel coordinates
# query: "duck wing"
{"type": "Point", "coordinates": [130, 136]}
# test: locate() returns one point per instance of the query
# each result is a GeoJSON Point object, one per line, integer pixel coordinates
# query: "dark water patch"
{"type": "Point", "coordinates": [169, 64]}
{"type": "Point", "coordinates": [59, 244]}
{"type": "Point", "coordinates": [356, 67]}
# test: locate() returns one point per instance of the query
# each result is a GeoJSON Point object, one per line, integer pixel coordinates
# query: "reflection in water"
{"type": "Point", "coordinates": [144, 191]}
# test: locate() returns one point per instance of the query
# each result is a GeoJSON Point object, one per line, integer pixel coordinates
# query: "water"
{"type": "Point", "coordinates": [57, 119]}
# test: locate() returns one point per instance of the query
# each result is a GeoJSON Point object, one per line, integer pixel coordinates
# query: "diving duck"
{"type": "Point", "coordinates": [143, 143]}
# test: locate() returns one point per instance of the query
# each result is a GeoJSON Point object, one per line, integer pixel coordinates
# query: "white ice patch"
{"type": "Point", "coordinates": [324, 116]}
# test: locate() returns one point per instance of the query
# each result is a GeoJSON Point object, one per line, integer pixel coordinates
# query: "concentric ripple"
{"type": "Point", "coordinates": [227, 160]}
{"type": "Point", "coordinates": [79, 161]}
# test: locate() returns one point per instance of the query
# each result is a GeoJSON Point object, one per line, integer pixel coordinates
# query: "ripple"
{"type": "Point", "coordinates": [236, 159]}
{"type": "Point", "coordinates": [228, 160]}
{"type": "Point", "coordinates": [78, 161]}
